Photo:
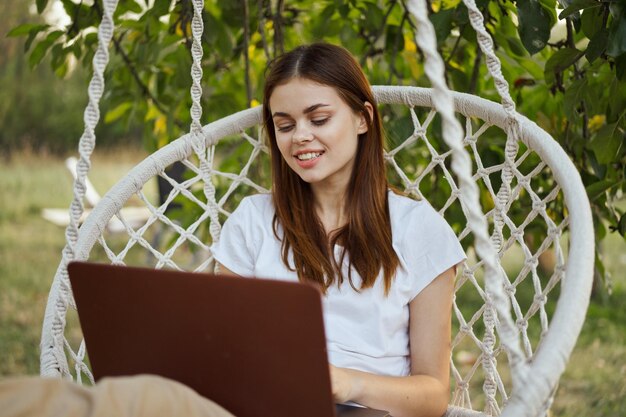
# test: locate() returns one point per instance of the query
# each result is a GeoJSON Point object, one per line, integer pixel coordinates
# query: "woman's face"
{"type": "Point", "coordinates": [316, 132]}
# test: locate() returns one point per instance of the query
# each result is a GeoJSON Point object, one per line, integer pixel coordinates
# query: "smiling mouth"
{"type": "Point", "coordinates": [308, 156]}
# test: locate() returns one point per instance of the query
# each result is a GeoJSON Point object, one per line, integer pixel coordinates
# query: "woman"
{"type": "Point", "coordinates": [385, 263]}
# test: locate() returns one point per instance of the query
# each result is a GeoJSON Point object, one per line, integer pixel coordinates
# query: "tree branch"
{"type": "Point", "coordinates": [246, 55]}
{"type": "Point", "coordinates": [75, 19]}
{"type": "Point", "coordinates": [475, 71]}
{"type": "Point", "coordinates": [456, 44]}
{"type": "Point", "coordinates": [279, 41]}
{"type": "Point", "coordinates": [117, 43]}
{"type": "Point", "coordinates": [381, 31]}
{"type": "Point", "coordinates": [261, 18]}
{"type": "Point", "coordinates": [393, 71]}
{"type": "Point", "coordinates": [578, 74]}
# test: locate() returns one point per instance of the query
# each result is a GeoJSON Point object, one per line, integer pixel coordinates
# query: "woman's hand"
{"type": "Point", "coordinates": [342, 383]}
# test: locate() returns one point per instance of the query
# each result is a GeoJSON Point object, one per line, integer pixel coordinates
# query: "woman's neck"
{"type": "Point", "coordinates": [330, 207]}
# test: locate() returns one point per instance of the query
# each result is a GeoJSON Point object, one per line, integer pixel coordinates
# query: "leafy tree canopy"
{"type": "Point", "coordinates": [567, 69]}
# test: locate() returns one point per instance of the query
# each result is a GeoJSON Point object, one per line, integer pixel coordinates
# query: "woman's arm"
{"type": "Point", "coordinates": [426, 391]}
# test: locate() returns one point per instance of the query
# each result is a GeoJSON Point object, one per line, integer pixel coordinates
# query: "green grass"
{"type": "Point", "coordinates": [30, 247]}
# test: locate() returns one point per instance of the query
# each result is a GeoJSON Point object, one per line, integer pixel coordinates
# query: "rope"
{"type": "Point", "coordinates": [511, 149]}
{"type": "Point", "coordinates": [205, 154]}
{"type": "Point", "coordinates": [56, 362]}
{"type": "Point", "coordinates": [495, 297]}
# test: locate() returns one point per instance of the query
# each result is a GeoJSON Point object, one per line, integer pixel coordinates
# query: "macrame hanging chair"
{"type": "Point", "coordinates": [515, 347]}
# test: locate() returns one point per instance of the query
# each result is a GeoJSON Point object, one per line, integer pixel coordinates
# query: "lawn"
{"type": "Point", "coordinates": [593, 385]}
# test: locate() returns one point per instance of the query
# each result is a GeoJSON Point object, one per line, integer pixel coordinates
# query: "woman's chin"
{"type": "Point", "coordinates": [309, 179]}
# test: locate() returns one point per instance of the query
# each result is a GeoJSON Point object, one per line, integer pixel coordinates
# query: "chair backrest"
{"type": "Point", "coordinates": [545, 231]}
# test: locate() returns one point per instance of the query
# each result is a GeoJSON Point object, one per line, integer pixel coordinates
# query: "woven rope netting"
{"type": "Point", "coordinates": [182, 242]}
{"type": "Point", "coordinates": [457, 151]}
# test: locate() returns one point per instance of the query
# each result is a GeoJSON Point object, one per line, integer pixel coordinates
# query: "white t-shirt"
{"type": "Point", "coordinates": [365, 330]}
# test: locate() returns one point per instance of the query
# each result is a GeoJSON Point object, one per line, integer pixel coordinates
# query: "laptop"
{"type": "Point", "coordinates": [254, 346]}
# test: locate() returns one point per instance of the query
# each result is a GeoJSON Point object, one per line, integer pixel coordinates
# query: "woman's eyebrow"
{"type": "Point", "coordinates": [309, 109]}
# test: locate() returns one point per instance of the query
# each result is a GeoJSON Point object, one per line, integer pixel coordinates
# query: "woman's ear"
{"type": "Point", "coordinates": [363, 121]}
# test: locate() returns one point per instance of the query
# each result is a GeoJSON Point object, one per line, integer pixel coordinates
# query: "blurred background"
{"type": "Point", "coordinates": [565, 61]}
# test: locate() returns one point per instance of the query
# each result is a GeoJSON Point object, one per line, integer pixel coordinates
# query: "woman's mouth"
{"type": "Point", "coordinates": [308, 156]}
{"type": "Point", "coordinates": [308, 159]}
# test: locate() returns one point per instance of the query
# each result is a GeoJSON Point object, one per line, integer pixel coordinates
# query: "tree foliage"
{"type": "Point", "coordinates": [567, 71]}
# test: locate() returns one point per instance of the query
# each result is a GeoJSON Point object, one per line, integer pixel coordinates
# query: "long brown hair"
{"type": "Point", "coordinates": [366, 237]}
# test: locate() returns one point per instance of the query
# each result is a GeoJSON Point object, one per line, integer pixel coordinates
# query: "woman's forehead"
{"type": "Point", "coordinates": [298, 94]}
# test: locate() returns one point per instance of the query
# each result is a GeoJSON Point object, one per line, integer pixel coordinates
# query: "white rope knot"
{"type": "Point", "coordinates": [522, 324]}
{"type": "Point", "coordinates": [524, 181]}
{"type": "Point", "coordinates": [533, 261]}
{"type": "Point", "coordinates": [438, 159]}
{"type": "Point", "coordinates": [539, 205]}
{"type": "Point", "coordinates": [510, 289]}
{"type": "Point", "coordinates": [413, 188]}
{"type": "Point", "coordinates": [419, 133]}
{"type": "Point", "coordinates": [464, 385]}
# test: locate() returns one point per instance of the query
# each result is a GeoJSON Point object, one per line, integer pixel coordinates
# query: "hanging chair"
{"type": "Point", "coordinates": [512, 335]}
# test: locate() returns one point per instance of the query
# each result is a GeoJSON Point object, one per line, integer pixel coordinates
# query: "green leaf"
{"type": "Point", "coordinates": [606, 143]}
{"type": "Point", "coordinates": [530, 65]}
{"type": "Point", "coordinates": [559, 61]}
{"type": "Point", "coordinates": [325, 25]}
{"type": "Point", "coordinates": [117, 112]}
{"type": "Point", "coordinates": [616, 9]}
{"type": "Point", "coordinates": [38, 53]}
{"type": "Point", "coordinates": [620, 67]}
{"type": "Point", "coordinates": [69, 7]}
{"type": "Point", "coordinates": [515, 46]}
{"type": "Point", "coordinates": [58, 56]}
{"type": "Point", "coordinates": [42, 47]}
{"type": "Point", "coordinates": [449, 4]}
{"type": "Point", "coordinates": [534, 25]}
{"type": "Point", "coordinates": [550, 7]}
{"type": "Point", "coordinates": [41, 5]}
{"type": "Point", "coordinates": [577, 5]}
{"type": "Point", "coordinates": [29, 40]}
{"type": "Point", "coordinates": [617, 37]}
{"type": "Point", "coordinates": [597, 45]}
{"type": "Point", "coordinates": [591, 21]}
{"type": "Point", "coordinates": [442, 22]}
{"type": "Point", "coordinates": [129, 6]}
{"type": "Point", "coordinates": [373, 17]}
{"type": "Point", "coordinates": [597, 189]}
{"type": "Point", "coordinates": [617, 100]}
{"type": "Point", "coordinates": [61, 71]}
{"type": "Point", "coordinates": [26, 28]}
{"type": "Point", "coordinates": [161, 7]}
{"type": "Point", "coordinates": [621, 226]}
{"type": "Point", "coordinates": [573, 96]}
{"type": "Point", "coordinates": [394, 39]}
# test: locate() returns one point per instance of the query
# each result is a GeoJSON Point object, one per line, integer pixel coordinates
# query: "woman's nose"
{"type": "Point", "coordinates": [301, 134]}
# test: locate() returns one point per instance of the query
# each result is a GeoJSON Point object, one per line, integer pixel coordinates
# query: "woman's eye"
{"type": "Point", "coordinates": [320, 122]}
{"type": "Point", "coordinates": [286, 128]}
